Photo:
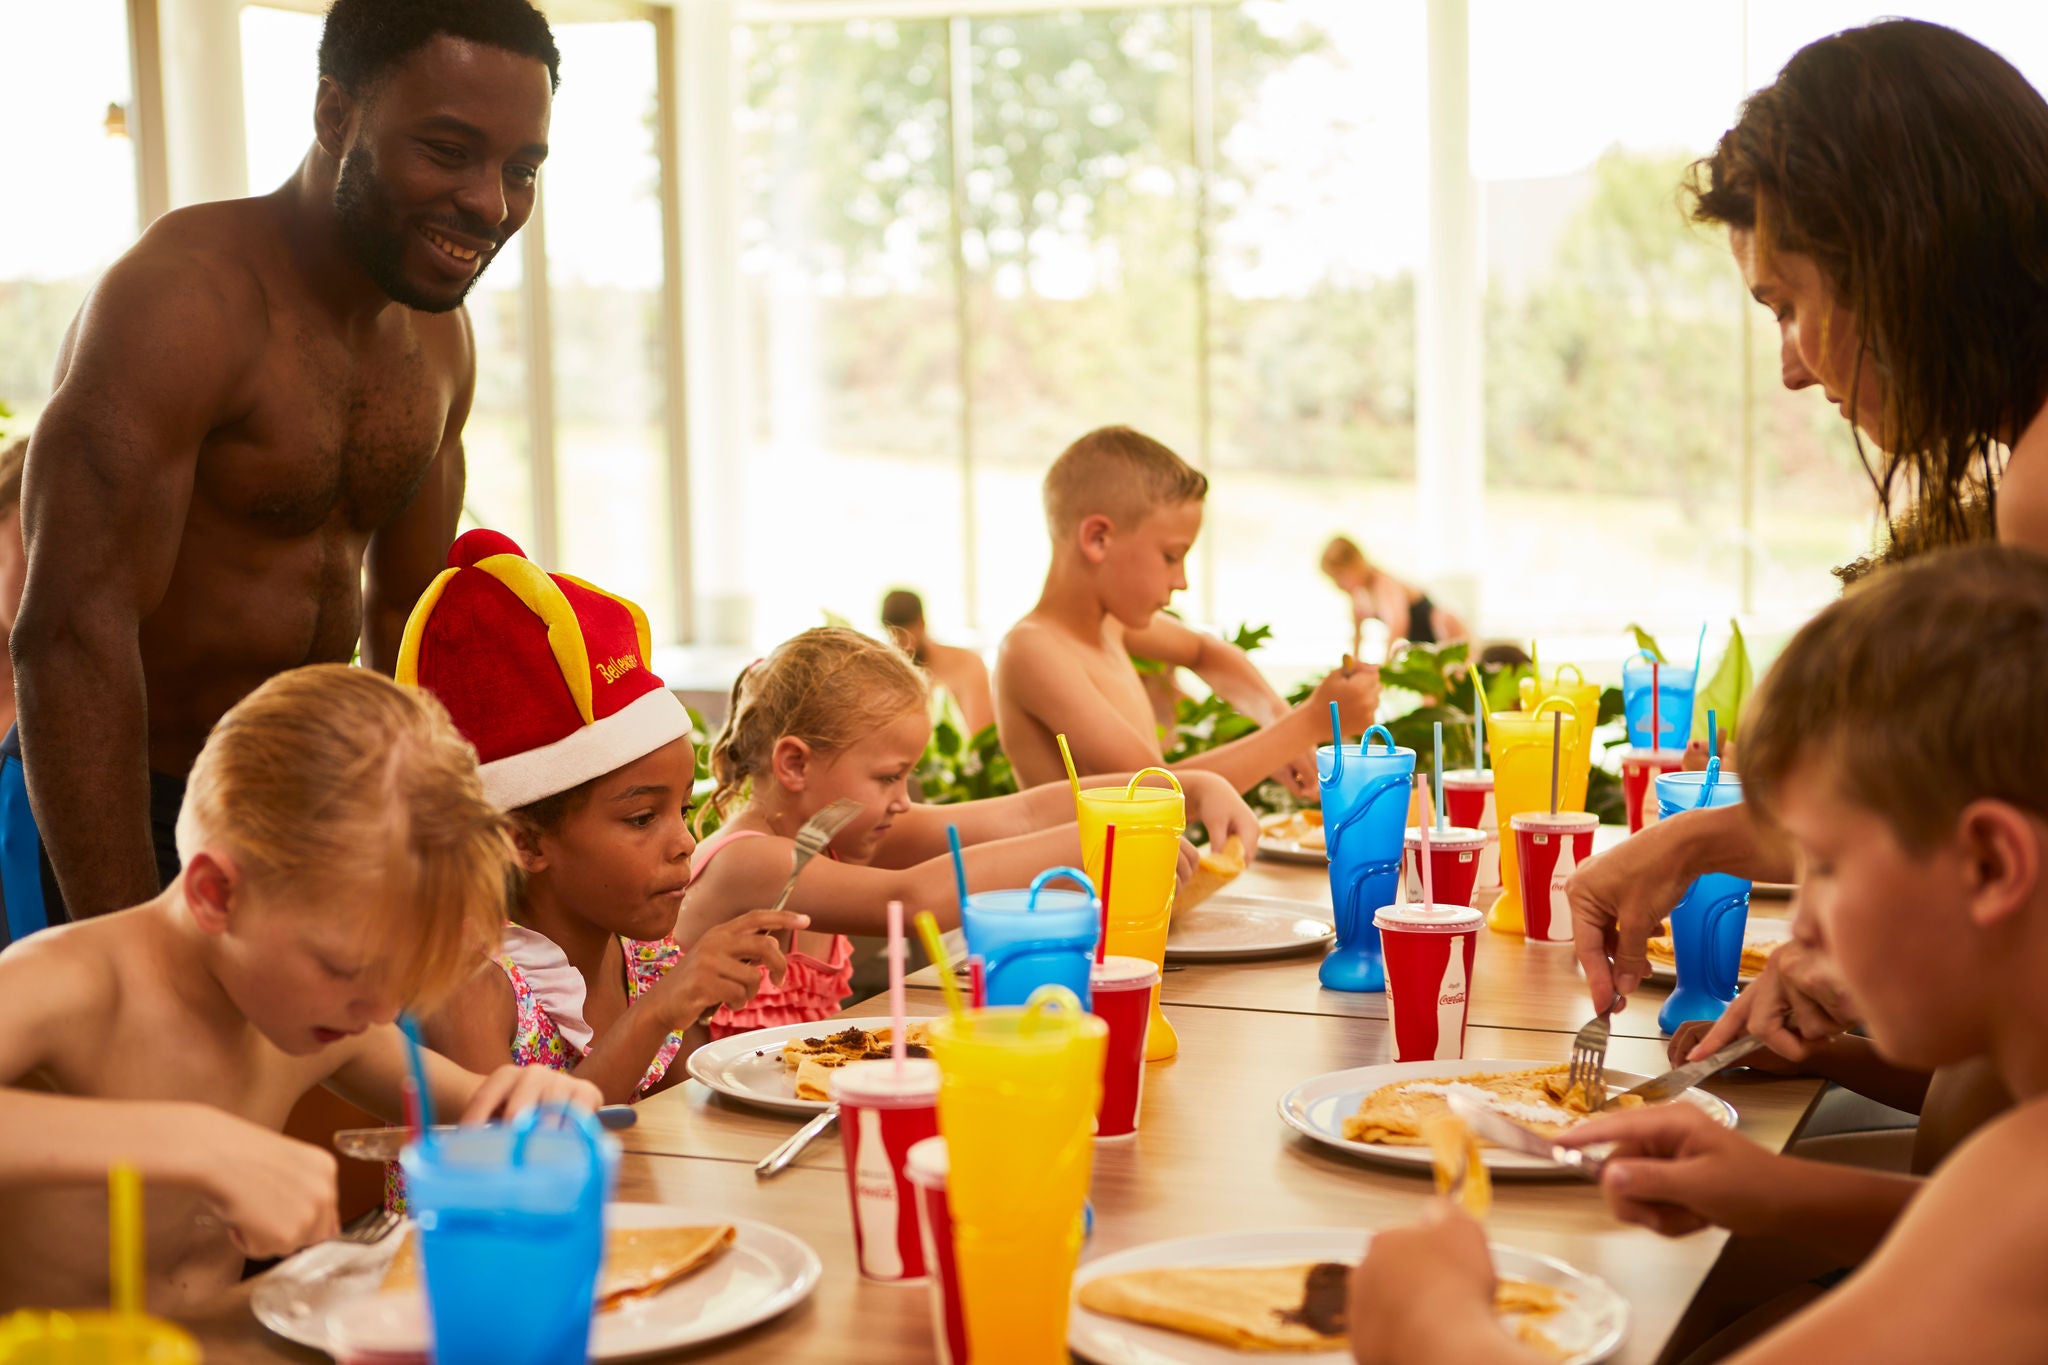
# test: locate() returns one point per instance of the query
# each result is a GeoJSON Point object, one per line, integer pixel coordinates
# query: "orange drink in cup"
{"type": "Point", "coordinates": [1018, 1092]}
{"type": "Point", "coordinates": [1569, 684]}
{"type": "Point", "coordinates": [1138, 894]}
{"type": "Point", "coordinates": [1521, 783]}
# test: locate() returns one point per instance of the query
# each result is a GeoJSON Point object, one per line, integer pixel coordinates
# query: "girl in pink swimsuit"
{"type": "Point", "coordinates": [834, 714]}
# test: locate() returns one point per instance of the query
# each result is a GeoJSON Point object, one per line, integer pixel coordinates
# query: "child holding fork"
{"type": "Point", "coordinates": [833, 714]}
{"type": "Point", "coordinates": [340, 864]}
{"type": "Point", "coordinates": [1897, 744]}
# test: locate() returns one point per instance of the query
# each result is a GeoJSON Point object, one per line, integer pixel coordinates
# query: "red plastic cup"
{"type": "Point", "coordinates": [881, 1117]}
{"type": "Point", "coordinates": [1550, 845]}
{"type": "Point", "coordinates": [1122, 987]}
{"type": "Point", "coordinates": [1468, 804]}
{"type": "Point", "coordinates": [1639, 769]}
{"type": "Point", "coordinates": [927, 1167]}
{"type": "Point", "coordinates": [1429, 951]}
{"type": "Point", "coordinates": [1454, 856]}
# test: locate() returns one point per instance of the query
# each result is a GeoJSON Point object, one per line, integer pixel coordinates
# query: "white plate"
{"type": "Point", "coordinates": [1233, 926]}
{"type": "Point", "coordinates": [1318, 1107]}
{"type": "Point", "coordinates": [748, 1066]}
{"type": "Point", "coordinates": [1591, 1324]}
{"type": "Point", "coordinates": [1772, 932]}
{"type": "Point", "coordinates": [1279, 849]}
{"type": "Point", "coordinates": [764, 1272]}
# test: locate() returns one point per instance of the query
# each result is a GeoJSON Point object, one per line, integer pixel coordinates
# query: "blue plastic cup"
{"type": "Point", "coordinates": [1365, 816]}
{"type": "Point", "coordinates": [1707, 925]}
{"type": "Point", "coordinates": [1032, 938]}
{"type": "Point", "coordinates": [1674, 693]}
{"type": "Point", "coordinates": [511, 1220]}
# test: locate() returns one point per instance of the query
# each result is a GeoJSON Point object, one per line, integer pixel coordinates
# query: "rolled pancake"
{"type": "Point", "coordinates": [1396, 1115]}
{"type": "Point", "coordinates": [637, 1261]}
{"type": "Point", "coordinates": [1756, 951]}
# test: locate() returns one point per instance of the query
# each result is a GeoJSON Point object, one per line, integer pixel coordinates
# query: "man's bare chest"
{"type": "Point", "coordinates": [332, 441]}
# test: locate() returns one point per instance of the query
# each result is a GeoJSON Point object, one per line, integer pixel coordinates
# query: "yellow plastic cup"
{"type": "Point", "coordinates": [34, 1337]}
{"type": "Point", "coordinates": [1520, 741]}
{"type": "Point", "coordinates": [1018, 1090]}
{"type": "Point", "coordinates": [1149, 822]}
{"type": "Point", "coordinates": [1585, 703]}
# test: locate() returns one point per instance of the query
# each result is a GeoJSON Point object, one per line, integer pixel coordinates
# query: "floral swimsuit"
{"type": "Point", "coordinates": [548, 995]}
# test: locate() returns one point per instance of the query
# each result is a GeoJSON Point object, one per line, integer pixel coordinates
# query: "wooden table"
{"type": "Point", "coordinates": [1211, 1154]}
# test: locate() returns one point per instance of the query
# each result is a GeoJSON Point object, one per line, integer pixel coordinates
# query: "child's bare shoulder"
{"type": "Point", "coordinates": [1033, 644]}
{"type": "Point", "coordinates": [60, 985]}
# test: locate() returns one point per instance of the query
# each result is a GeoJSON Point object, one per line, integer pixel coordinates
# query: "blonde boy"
{"type": "Point", "coordinates": [1124, 511]}
{"type": "Point", "coordinates": [1898, 744]}
{"type": "Point", "coordinates": [340, 864]}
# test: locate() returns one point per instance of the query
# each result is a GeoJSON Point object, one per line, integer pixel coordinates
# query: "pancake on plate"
{"type": "Point", "coordinates": [1398, 1115]}
{"type": "Point", "coordinates": [1276, 1307]}
{"type": "Point", "coordinates": [811, 1061]}
{"type": "Point", "coordinates": [637, 1261]}
{"type": "Point", "coordinates": [1757, 947]}
{"type": "Point", "coordinates": [1218, 869]}
{"type": "Point", "coordinates": [1303, 828]}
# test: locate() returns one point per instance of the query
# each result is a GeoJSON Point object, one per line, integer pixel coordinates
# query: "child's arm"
{"type": "Point", "coordinates": [275, 1194]}
{"type": "Point", "coordinates": [847, 898]}
{"type": "Point", "coordinates": [1675, 1171]}
{"type": "Point", "coordinates": [1846, 1059]}
{"type": "Point", "coordinates": [1424, 1294]}
{"type": "Point", "coordinates": [920, 832]}
{"type": "Point", "coordinates": [373, 1077]}
{"type": "Point", "coordinates": [1047, 682]}
{"type": "Point", "coordinates": [1244, 763]}
{"type": "Point", "coordinates": [1228, 670]}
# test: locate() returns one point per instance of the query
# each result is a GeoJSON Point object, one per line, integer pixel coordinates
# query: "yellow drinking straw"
{"type": "Point", "coordinates": [1073, 778]}
{"type": "Point", "coordinates": [124, 1238]}
{"type": "Point", "coordinates": [928, 934]}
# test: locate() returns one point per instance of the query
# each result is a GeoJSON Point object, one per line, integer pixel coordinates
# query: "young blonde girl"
{"type": "Point", "coordinates": [831, 715]}
{"type": "Point", "coordinates": [589, 754]}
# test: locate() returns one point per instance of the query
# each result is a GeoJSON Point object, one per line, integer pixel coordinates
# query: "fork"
{"type": "Point", "coordinates": [371, 1228]}
{"type": "Point", "coordinates": [1588, 1074]}
{"type": "Point", "coordinates": [817, 832]}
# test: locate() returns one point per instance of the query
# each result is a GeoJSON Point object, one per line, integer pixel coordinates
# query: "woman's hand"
{"type": "Point", "coordinates": [1618, 898]}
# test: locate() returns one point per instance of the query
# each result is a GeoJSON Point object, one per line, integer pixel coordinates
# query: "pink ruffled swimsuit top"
{"type": "Point", "coordinates": [811, 989]}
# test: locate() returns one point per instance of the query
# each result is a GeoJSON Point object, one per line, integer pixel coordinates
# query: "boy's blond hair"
{"type": "Point", "coordinates": [1121, 474]}
{"type": "Point", "coordinates": [1343, 553]}
{"type": "Point", "coordinates": [829, 687]}
{"type": "Point", "coordinates": [1920, 690]}
{"type": "Point", "coordinates": [332, 779]}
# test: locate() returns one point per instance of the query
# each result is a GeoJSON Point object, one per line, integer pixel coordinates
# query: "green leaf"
{"type": "Point", "coordinates": [1645, 640]}
{"type": "Point", "coordinates": [1730, 688]}
{"type": "Point", "coordinates": [1610, 706]}
{"type": "Point", "coordinates": [1250, 637]}
{"type": "Point", "coordinates": [833, 618]}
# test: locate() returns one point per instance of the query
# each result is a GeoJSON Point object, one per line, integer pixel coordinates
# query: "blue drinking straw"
{"type": "Point", "coordinates": [1707, 787]}
{"type": "Point", "coordinates": [1713, 748]}
{"type": "Point", "coordinates": [1439, 774]}
{"type": "Point", "coordinates": [959, 865]}
{"type": "Point", "coordinates": [1336, 730]}
{"type": "Point", "coordinates": [1478, 724]}
{"type": "Point", "coordinates": [1699, 654]}
{"type": "Point", "coordinates": [416, 1060]}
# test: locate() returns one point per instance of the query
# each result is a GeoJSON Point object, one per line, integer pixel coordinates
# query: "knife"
{"type": "Point", "coordinates": [1692, 1073]}
{"type": "Point", "coordinates": [778, 1160]}
{"type": "Point", "coordinates": [384, 1144]}
{"type": "Point", "coordinates": [1502, 1131]}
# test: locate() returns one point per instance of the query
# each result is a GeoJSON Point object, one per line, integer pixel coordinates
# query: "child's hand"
{"type": "Point", "coordinates": [1686, 1041]}
{"type": "Point", "coordinates": [1356, 690]}
{"type": "Point", "coordinates": [276, 1194]}
{"type": "Point", "coordinates": [723, 967]}
{"type": "Point", "coordinates": [1797, 1002]}
{"type": "Point", "coordinates": [1214, 805]}
{"type": "Point", "coordinates": [512, 1090]}
{"type": "Point", "coordinates": [1418, 1282]}
{"type": "Point", "coordinates": [1190, 860]}
{"type": "Point", "coordinates": [1675, 1170]}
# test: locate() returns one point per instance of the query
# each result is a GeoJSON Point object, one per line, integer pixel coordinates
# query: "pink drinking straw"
{"type": "Point", "coordinates": [896, 1003]}
{"type": "Point", "coordinates": [1428, 883]}
{"type": "Point", "coordinates": [977, 982]}
{"type": "Point", "coordinates": [1656, 710]}
{"type": "Point", "coordinates": [1108, 856]}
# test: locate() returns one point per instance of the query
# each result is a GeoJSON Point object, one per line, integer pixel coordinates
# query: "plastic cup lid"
{"type": "Point", "coordinates": [1569, 821]}
{"type": "Point", "coordinates": [927, 1163]}
{"type": "Point", "coordinates": [1452, 837]}
{"type": "Point", "coordinates": [1669, 754]}
{"type": "Point", "coordinates": [877, 1080]}
{"type": "Point", "coordinates": [1468, 777]}
{"type": "Point", "coordinates": [1122, 973]}
{"type": "Point", "coordinates": [1415, 917]}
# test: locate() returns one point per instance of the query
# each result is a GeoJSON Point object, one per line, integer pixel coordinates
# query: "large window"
{"type": "Point", "coordinates": [70, 164]}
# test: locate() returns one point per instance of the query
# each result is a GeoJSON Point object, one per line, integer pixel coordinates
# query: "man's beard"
{"type": "Point", "coordinates": [369, 226]}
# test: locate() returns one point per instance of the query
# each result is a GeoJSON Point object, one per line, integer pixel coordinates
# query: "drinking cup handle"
{"type": "Point", "coordinates": [1049, 998]}
{"type": "Point", "coordinates": [1577, 672]}
{"type": "Point", "coordinates": [584, 1125]}
{"type": "Point", "coordinates": [1554, 700]}
{"type": "Point", "coordinates": [1365, 743]}
{"type": "Point", "coordinates": [1072, 874]}
{"type": "Point", "coordinates": [1144, 773]}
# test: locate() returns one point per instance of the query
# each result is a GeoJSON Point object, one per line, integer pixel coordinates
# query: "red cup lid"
{"type": "Point", "coordinates": [1561, 822]}
{"type": "Point", "coordinates": [927, 1162]}
{"type": "Point", "coordinates": [1417, 918]}
{"type": "Point", "coordinates": [1453, 837]}
{"type": "Point", "coordinates": [876, 1082]}
{"type": "Point", "coordinates": [1115, 973]}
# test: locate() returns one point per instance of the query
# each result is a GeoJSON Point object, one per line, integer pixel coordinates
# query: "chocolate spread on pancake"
{"type": "Point", "coordinates": [1324, 1291]}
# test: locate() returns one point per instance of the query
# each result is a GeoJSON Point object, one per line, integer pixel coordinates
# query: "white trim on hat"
{"type": "Point", "coordinates": [644, 725]}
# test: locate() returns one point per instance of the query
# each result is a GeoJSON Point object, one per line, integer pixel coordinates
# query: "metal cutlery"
{"type": "Point", "coordinates": [1502, 1131]}
{"type": "Point", "coordinates": [779, 1160]}
{"type": "Point", "coordinates": [1588, 1074]}
{"type": "Point", "coordinates": [1692, 1073]}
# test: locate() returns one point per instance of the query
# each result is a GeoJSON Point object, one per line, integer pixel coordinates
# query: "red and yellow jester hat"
{"type": "Point", "coordinates": [546, 675]}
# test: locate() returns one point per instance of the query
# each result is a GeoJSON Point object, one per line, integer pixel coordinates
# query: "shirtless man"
{"type": "Point", "coordinates": [960, 671]}
{"type": "Point", "coordinates": [253, 455]}
{"type": "Point", "coordinates": [1124, 511]}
